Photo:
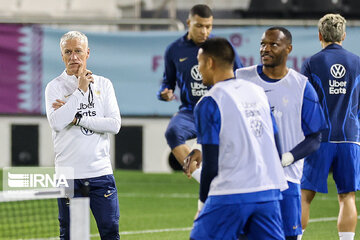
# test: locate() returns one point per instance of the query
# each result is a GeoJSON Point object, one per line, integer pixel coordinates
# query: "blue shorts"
{"type": "Point", "coordinates": [291, 210]}
{"type": "Point", "coordinates": [104, 205]}
{"type": "Point", "coordinates": [216, 221]}
{"type": "Point", "coordinates": [181, 128]}
{"type": "Point", "coordinates": [344, 158]}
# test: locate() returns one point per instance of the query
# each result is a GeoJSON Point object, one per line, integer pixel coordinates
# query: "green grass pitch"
{"type": "Point", "coordinates": [162, 206]}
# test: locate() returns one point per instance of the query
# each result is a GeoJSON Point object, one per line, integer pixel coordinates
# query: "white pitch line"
{"type": "Point", "coordinates": [157, 231]}
{"type": "Point", "coordinates": [327, 198]}
{"type": "Point", "coordinates": [327, 219]}
{"type": "Point", "coordinates": [149, 231]}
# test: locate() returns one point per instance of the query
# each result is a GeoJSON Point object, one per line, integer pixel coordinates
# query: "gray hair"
{"type": "Point", "coordinates": [71, 35]}
{"type": "Point", "coordinates": [332, 27]}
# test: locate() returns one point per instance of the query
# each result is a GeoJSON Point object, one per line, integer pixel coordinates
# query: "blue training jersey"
{"type": "Point", "coordinates": [334, 72]}
{"type": "Point", "coordinates": [181, 69]}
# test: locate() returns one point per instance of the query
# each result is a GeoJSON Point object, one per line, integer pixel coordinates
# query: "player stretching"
{"type": "Point", "coordinates": [181, 68]}
{"type": "Point", "coordinates": [297, 112]}
{"type": "Point", "coordinates": [335, 75]}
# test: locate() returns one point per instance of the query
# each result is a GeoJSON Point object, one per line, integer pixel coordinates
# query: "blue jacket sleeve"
{"type": "Point", "coordinates": [208, 123]}
{"type": "Point", "coordinates": [312, 115]}
{"type": "Point", "coordinates": [169, 76]}
{"type": "Point", "coordinates": [310, 144]}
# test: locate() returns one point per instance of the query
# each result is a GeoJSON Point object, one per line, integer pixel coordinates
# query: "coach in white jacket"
{"type": "Point", "coordinates": [82, 110]}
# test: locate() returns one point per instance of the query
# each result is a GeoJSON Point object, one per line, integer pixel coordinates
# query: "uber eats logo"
{"type": "Point", "coordinates": [198, 89]}
{"type": "Point", "coordinates": [335, 85]}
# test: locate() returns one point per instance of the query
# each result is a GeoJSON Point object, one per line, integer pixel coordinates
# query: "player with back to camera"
{"type": "Point", "coordinates": [82, 110]}
{"type": "Point", "coordinates": [335, 72]}
{"type": "Point", "coordinates": [181, 69]}
{"type": "Point", "coordinates": [297, 112]}
{"type": "Point", "coordinates": [241, 174]}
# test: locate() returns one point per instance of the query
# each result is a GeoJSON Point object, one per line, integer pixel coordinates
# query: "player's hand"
{"type": "Point", "coordinates": [58, 104]}
{"type": "Point", "coordinates": [192, 161]}
{"type": "Point", "coordinates": [85, 78]}
{"type": "Point", "coordinates": [167, 94]}
{"type": "Point", "coordinates": [287, 159]}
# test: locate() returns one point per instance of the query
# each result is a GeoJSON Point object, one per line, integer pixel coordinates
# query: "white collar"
{"type": "Point", "coordinates": [71, 78]}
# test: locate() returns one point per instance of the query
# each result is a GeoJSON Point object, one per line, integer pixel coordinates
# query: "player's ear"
{"type": "Point", "coordinates": [210, 62]}
{"type": "Point", "coordinates": [343, 36]}
{"type": "Point", "coordinates": [188, 22]}
{"type": "Point", "coordinates": [289, 48]}
{"type": "Point", "coordinates": [88, 53]}
{"type": "Point", "coordinates": [320, 37]}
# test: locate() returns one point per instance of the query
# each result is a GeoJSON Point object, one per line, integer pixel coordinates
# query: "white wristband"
{"type": "Point", "coordinates": [200, 205]}
{"type": "Point", "coordinates": [287, 159]}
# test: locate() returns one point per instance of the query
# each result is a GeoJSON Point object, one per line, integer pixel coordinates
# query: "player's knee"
{"type": "Point", "coordinates": [173, 136]}
{"type": "Point", "coordinates": [346, 197]}
{"type": "Point", "coordinates": [171, 132]}
{"type": "Point", "coordinates": [307, 195]}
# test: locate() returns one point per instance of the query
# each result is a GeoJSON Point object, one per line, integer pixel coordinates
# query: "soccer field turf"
{"type": "Point", "coordinates": [162, 206]}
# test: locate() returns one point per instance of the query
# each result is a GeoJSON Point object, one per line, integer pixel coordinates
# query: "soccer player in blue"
{"type": "Point", "coordinates": [181, 69]}
{"type": "Point", "coordinates": [241, 177]}
{"type": "Point", "coordinates": [335, 74]}
{"type": "Point", "coordinates": [297, 112]}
